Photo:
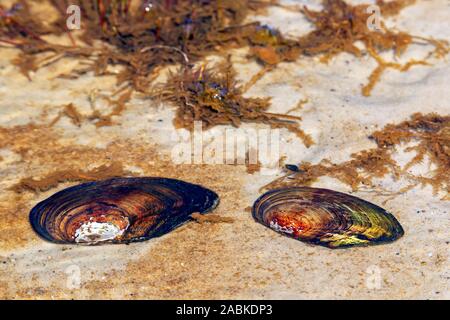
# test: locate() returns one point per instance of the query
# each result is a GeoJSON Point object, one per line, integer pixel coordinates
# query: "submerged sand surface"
{"type": "Point", "coordinates": [241, 259]}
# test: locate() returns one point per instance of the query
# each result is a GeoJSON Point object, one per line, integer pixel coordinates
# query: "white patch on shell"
{"type": "Point", "coordinates": [275, 226]}
{"type": "Point", "coordinates": [94, 232]}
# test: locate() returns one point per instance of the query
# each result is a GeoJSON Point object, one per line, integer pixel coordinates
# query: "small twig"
{"type": "Point", "coordinates": [11, 42]}
{"type": "Point", "coordinates": [186, 59]}
{"type": "Point", "coordinates": [256, 77]}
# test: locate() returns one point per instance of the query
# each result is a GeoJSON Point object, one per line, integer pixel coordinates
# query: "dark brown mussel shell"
{"type": "Point", "coordinates": [326, 217]}
{"type": "Point", "coordinates": [119, 210]}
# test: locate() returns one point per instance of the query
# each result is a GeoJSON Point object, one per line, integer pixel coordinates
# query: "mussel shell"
{"type": "Point", "coordinates": [325, 217]}
{"type": "Point", "coordinates": [119, 210]}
